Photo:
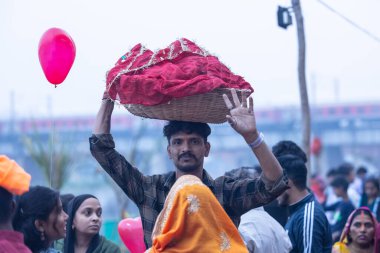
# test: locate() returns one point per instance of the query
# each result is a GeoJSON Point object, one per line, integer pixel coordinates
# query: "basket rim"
{"type": "Point", "coordinates": [205, 107]}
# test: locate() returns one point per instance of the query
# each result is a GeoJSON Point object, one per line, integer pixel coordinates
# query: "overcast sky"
{"type": "Point", "coordinates": [342, 61]}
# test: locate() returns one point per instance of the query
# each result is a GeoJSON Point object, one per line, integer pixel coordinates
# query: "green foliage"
{"type": "Point", "coordinates": [52, 158]}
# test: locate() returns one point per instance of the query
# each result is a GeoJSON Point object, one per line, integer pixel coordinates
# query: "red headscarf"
{"type": "Point", "coordinates": [179, 70]}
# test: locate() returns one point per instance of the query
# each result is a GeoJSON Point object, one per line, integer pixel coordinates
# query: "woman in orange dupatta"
{"type": "Point", "coordinates": [361, 233]}
{"type": "Point", "coordinates": [192, 220]}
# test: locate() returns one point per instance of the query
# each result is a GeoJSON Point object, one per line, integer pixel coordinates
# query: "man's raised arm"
{"type": "Point", "coordinates": [242, 120]}
{"type": "Point", "coordinates": [102, 148]}
{"type": "Point", "coordinates": [103, 118]}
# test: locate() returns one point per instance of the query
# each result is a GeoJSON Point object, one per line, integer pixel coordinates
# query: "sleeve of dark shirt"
{"type": "Point", "coordinates": [243, 195]}
{"type": "Point", "coordinates": [127, 177]}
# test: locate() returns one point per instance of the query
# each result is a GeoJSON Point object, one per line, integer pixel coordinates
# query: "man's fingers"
{"type": "Point", "coordinates": [243, 99]}
{"type": "Point", "coordinates": [227, 102]}
{"type": "Point", "coordinates": [235, 98]}
{"type": "Point", "coordinates": [250, 105]}
{"type": "Point", "coordinates": [231, 120]}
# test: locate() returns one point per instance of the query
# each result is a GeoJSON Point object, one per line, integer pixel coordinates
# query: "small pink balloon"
{"type": "Point", "coordinates": [131, 233]}
{"type": "Point", "coordinates": [56, 52]}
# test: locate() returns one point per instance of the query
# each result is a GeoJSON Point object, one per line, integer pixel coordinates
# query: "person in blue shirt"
{"type": "Point", "coordinates": [307, 226]}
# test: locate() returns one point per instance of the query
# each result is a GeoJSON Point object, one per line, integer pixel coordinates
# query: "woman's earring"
{"type": "Point", "coordinates": [42, 237]}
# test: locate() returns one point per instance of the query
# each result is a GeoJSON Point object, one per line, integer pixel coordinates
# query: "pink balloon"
{"type": "Point", "coordinates": [131, 232]}
{"type": "Point", "coordinates": [56, 52]}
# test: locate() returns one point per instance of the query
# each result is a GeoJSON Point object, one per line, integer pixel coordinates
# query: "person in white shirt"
{"type": "Point", "coordinates": [260, 232]}
{"type": "Point", "coordinates": [263, 234]}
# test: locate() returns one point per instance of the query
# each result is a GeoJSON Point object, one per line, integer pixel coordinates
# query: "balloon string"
{"type": "Point", "coordinates": [51, 154]}
{"type": "Point", "coordinates": [51, 151]}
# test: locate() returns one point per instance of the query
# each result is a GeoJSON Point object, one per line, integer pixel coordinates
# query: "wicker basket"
{"type": "Point", "coordinates": [207, 108]}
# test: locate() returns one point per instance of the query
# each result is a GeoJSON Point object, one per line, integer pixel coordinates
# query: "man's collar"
{"type": "Point", "coordinates": [207, 179]}
{"type": "Point", "coordinates": [309, 197]}
{"type": "Point", "coordinates": [171, 178]}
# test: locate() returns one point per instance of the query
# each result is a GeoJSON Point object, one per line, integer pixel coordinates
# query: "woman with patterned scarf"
{"type": "Point", "coordinates": [361, 233]}
{"type": "Point", "coordinates": [192, 220]}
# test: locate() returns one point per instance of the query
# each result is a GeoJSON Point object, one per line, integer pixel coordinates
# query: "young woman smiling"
{"type": "Point", "coordinates": [40, 217]}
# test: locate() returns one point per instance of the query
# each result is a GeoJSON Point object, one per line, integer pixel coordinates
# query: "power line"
{"type": "Point", "coordinates": [374, 37]}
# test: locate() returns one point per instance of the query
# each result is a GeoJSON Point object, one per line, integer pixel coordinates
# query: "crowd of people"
{"type": "Point", "coordinates": [32, 219]}
{"type": "Point", "coordinates": [264, 208]}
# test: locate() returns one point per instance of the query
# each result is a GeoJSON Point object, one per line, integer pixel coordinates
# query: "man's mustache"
{"type": "Point", "coordinates": [186, 154]}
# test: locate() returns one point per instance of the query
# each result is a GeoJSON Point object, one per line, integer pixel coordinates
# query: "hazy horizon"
{"type": "Point", "coordinates": [342, 62]}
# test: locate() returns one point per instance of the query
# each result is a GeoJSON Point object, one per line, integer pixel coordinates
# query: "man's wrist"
{"type": "Point", "coordinates": [107, 100]}
{"type": "Point", "coordinates": [251, 137]}
{"type": "Point", "coordinates": [257, 141]}
{"type": "Point", "coordinates": [106, 96]}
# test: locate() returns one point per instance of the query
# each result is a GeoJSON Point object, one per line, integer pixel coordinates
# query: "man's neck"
{"type": "Point", "coordinates": [198, 173]}
{"type": "Point", "coordinates": [296, 196]}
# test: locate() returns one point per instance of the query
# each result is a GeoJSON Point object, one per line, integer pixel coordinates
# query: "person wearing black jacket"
{"type": "Point", "coordinates": [307, 226]}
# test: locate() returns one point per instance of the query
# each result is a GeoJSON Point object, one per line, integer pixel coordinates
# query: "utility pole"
{"type": "Point", "coordinates": [284, 20]}
{"type": "Point", "coordinates": [305, 109]}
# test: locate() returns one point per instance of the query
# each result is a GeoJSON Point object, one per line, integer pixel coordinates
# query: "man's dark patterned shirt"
{"type": "Point", "coordinates": [149, 192]}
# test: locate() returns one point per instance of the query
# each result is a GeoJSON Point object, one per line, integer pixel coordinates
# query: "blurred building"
{"type": "Point", "coordinates": [347, 133]}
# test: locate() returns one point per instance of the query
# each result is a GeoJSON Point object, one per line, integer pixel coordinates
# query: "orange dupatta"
{"type": "Point", "coordinates": [193, 220]}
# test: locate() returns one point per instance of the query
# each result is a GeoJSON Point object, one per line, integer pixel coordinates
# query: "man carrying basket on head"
{"type": "Point", "coordinates": [187, 148]}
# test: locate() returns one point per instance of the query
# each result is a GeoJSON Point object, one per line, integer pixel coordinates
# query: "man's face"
{"type": "Point", "coordinates": [330, 179]}
{"type": "Point", "coordinates": [339, 191]}
{"type": "Point", "coordinates": [188, 151]}
{"type": "Point", "coordinates": [283, 199]}
{"type": "Point", "coordinates": [351, 176]}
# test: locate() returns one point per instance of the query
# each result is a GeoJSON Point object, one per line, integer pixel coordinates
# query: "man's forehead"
{"type": "Point", "coordinates": [182, 134]}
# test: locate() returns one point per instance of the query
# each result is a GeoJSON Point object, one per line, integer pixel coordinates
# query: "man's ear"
{"type": "Point", "coordinates": [208, 147]}
{"type": "Point", "coordinates": [290, 183]}
{"type": "Point", "coordinates": [169, 152]}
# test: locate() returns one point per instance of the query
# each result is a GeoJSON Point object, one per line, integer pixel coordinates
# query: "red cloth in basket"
{"type": "Point", "coordinates": [182, 69]}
